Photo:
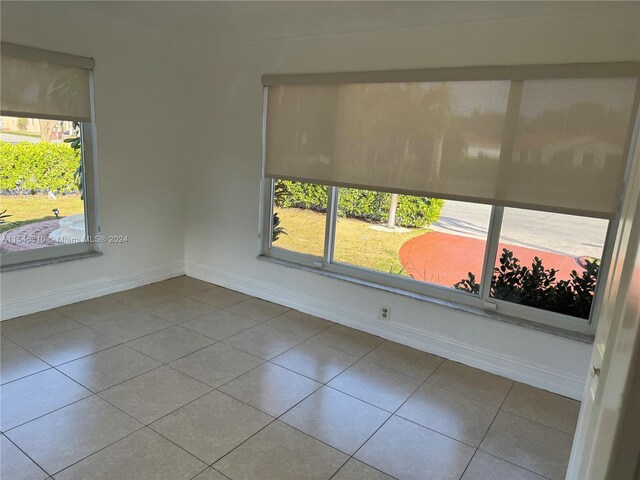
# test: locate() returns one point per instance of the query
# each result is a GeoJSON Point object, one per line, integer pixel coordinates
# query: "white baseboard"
{"type": "Point", "coordinates": [514, 368]}
{"type": "Point", "coordinates": [87, 290]}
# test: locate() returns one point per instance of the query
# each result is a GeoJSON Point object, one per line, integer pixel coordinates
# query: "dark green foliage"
{"type": "Point", "coordinates": [3, 215]}
{"type": "Point", "coordinates": [38, 167]}
{"type": "Point", "coordinates": [301, 195]}
{"type": "Point", "coordinates": [364, 204]}
{"type": "Point", "coordinates": [277, 229]}
{"type": "Point", "coordinates": [536, 287]}
{"type": "Point", "coordinates": [280, 193]}
{"type": "Point", "coordinates": [468, 284]}
{"type": "Point", "coordinates": [76, 145]}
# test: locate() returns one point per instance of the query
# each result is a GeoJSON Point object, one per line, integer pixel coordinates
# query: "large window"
{"type": "Point", "coordinates": [498, 193]}
{"type": "Point", "coordinates": [47, 199]}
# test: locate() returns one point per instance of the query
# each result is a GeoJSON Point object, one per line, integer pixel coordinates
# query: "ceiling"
{"type": "Point", "coordinates": [253, 21]}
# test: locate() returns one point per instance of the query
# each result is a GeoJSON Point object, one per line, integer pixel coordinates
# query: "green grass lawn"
{"type": "Point", "coordinates": [356, 243]}
{"type": "Point", "coordinates": [20, 132]}
{"type": "Point", "coordinates": [33, 208]}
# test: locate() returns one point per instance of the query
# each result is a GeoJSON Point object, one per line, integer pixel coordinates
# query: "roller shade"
{"type": "Point", "coordinates": [546, 144]}
{"type": "Point", "coordinates": [42, 84]}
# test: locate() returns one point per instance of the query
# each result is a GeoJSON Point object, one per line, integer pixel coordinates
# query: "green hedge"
{"type": "Point", "coordinates": [364, 204]}
{"type": "Point", "coordinates": [538, 287]}
{"type": "Point", "coordinates": [38, 167]}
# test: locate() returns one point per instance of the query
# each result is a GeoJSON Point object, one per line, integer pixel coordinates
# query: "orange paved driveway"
{"type": "Point", "coordinates": [445, 259]}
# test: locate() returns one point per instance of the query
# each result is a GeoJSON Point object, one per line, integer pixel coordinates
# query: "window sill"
{"type": "Point", "coordinates": [581, 337]}
{"type": "Point", "coordinates": [49, 261]}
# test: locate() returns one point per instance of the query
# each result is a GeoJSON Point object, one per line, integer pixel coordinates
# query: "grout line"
{"type": "Point", "coordinates": [490, 425]}
{"type": "Point", "coordinates": [98, 392]}
{"type": "Point", "coordinates": [293, 406]}
{"type": "Point", "coordinates": [275, 419]}
{"type": "Point", "coordinates": [142, 427]}
{"type": "Point", "coordinates": [49, 367]}
{"type": "Point", "coordinates": [22, 344]}
{"type": "Point", "coordinates": [25, 454]}
{"type": "Point", "coordinates": [45, 414]}
{"type": "Point", "coordinates": [511, 463]}
{"type": "Point", "coordinates": [200, 472]}
{"type": "Point", "coordinates": [536, 422]}
{"type": "Point", "coordinates": [263, 362]}
{"type": "Point", "coordinates": [229, 381]}
{"type": "Point", "coordinates": [390, 417]}
{"type": "Point", "coordinates": [100, 449]}
{"type": "Point", "coordinates": [364, 463]}
{"type": "Point", "coordinates": [180, 357]}
{"type": "Point", "coordinates": [311, 378]}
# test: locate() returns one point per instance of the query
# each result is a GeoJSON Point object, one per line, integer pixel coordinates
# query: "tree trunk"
{"type": "Point", "coordinates": [46, 129]}
{"type": "Point", "coordinates": [391, 222]}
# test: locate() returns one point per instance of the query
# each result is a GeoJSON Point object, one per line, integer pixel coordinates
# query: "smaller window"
{"type": "Point", "coordinates": [42, 182]}
{"type": "Point", "coordinates": [47, 197]}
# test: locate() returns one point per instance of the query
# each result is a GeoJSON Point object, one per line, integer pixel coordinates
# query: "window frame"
{"type": "Point", "coordinates": [90, 247]}
{"type": "Point", "coordinates": [407, 286]}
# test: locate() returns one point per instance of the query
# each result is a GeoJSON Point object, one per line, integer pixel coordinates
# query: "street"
{"type": "Point", "coordinates": [552, 232]}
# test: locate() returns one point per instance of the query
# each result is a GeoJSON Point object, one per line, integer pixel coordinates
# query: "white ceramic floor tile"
{"type": "Point", "coordinates": [154, 394]}
{"type": "Point", "coordinates": [270, 388]}
{"type": "Point", "coordinates": [36, 395]}
{"type": "Point", "coordinates": [281, 452]}
{"type": "Point", "coordinates": [341, 421]}
{"type": "Point", "coordinates": [408, 451]}
{"type": "Point", "coordinates": [72, 433]}
{"type": "Point", "coordinates": [142, 455]}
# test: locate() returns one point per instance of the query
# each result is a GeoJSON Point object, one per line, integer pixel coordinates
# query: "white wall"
{"type": "Point", "coordinates": [146, 172]}
{"type": "Point", "coordinates": [140, 107]}
{"type": "Point", "coordinates": [224, 105]}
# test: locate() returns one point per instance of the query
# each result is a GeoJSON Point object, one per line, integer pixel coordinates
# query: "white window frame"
{"type": "Point", "coordinates": [408, 286]}
{"type": "Point", "coordinates": [90, 247]}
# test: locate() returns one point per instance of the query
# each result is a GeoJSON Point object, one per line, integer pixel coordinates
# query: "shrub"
{"type": "Point", "coordinates": [38, 167]}
{"type": "Point", "coordinates": [303, 195]}
{"type": "Point", "coordinates": [364, 204]}
{"type": "Point", "coordinates": [537, 287]}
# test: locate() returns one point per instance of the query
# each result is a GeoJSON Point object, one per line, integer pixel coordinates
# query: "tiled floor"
{"type": "Point", "coordinates": [183, 379]}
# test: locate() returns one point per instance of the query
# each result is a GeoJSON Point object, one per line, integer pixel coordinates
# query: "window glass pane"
{"type": "Point", "coordinates": [40, 184]}
{"type": "Point", "coordinates": [569, 249]}
{"type": "Point", "coordinates": [299, 221]}
{"type": "Point", "coordinates": [431, 240]}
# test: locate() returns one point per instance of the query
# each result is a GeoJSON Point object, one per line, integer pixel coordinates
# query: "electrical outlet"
{"type": "Point", "coordinates": [385, 313]}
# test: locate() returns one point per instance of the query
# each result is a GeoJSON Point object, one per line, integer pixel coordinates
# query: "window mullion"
{"type": "Point", "coordinates": [506, 154]}
{"type": "Point", "coordinates": [330, 227]}
{"type": "Point", "coordinates": [491, 251]}
{"type": "Point", "coordinates": [268, 185]}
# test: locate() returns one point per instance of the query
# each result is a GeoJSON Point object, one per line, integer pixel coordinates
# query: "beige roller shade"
{"type": "Point", "coordinates": [42, 84]}
{"type": "Point", "coordinates": [557, 145]}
